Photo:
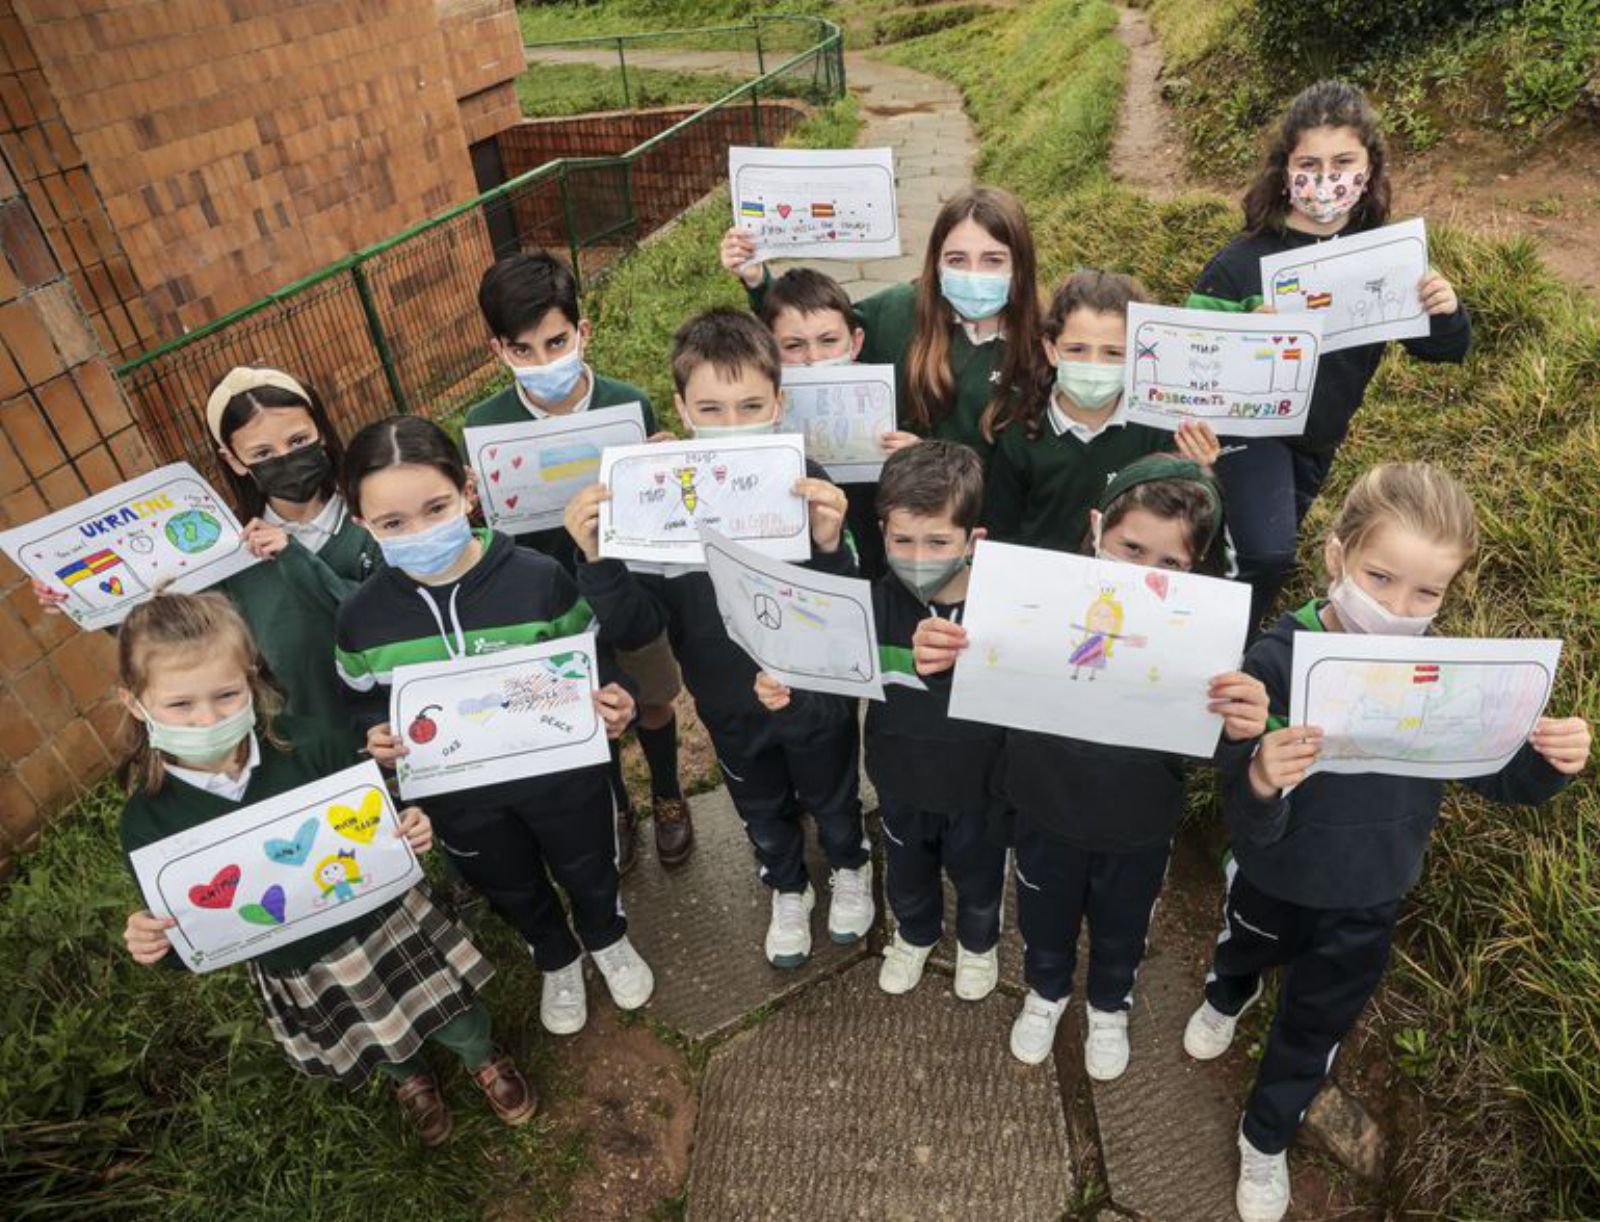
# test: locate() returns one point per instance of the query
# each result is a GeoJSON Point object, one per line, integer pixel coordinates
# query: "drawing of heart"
{"type": "Point", "coordinates": [516, 461]}
{"type": "Point", "coordinates": [269, 911]}
{"type": "Point", "coordinates": [493, 450]}
{"type": "Point", "coordinates": [1158, 584]}
{"type": "Point", "coordinates": [832, 233]}
{"type": "Point", "coordinates": [719, 473]}
{"type": "Point", "coordinates": [112, 585]}
{"type": "Point", "coordinates": [494, 477]}
{"type": "Point", "coordinates": [511, 501]}
{"type": "Point", "coordinates": [784, 210]}
{"type": "Point", "coordinates": [218, 893]}
{"type": "Point", "coordinates": [1277, 339]}
{"type": "Point", "coordinates": [661, 477]}
{"type": "Point", "coordinates": [293, 852]}
{"type": "Point", "coordinates": [359, 824]}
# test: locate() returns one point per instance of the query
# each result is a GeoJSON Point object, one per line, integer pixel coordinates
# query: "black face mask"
{"type": "Point", "coordinates": [295, 477]}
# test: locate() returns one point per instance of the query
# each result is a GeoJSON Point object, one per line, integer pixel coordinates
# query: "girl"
{"type": "Point", "coordinates": [204, 740]}
{"type": "Point", "coordinates": [1095, 823]}
{"type": "Point", "coordinates": [449, 592]}
{"type": "Point", "coordinates": [1318, 875]}
{"type": "Point", "coordinates": [1325, 174]}
{"type": "Point", "coordinates": [282, 457]}
{"type": "Point", "coordinates": [1059, 447]}
{"type": "Point", "coordinates": [960, 336]}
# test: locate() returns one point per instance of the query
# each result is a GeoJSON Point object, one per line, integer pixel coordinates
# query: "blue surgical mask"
{"type": "Point", "coordinates": [1091, 385]}
{"type": "Point", "coordinates": [975, 295]}
{"type": "Point", "coordinates": [552, 382]}
{"type": "Point", "coordinates": [428, 552]}
{"type": "Point", "coordinates": [714, 432]}
{"type": "Point", "coordinates": [200, 746]}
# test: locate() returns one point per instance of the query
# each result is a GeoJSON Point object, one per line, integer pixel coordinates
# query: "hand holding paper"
{"type": "Point", "coordinates": [1563, 742]}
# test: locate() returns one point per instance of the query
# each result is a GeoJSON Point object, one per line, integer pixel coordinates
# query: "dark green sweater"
{"type": "Point", "coordinates": [179, 806]}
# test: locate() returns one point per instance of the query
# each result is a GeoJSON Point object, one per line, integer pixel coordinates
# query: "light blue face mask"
{"type": "Point", "coordinates": [553, 382]}
{"type": "Point", "coordinates": [975, 295]}
{"type": "Point", "coordinates": [200, 746]}
{"type": "Point", "coordinates": [428, 552]}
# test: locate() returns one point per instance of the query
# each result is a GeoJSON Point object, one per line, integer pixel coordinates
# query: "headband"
{"type": "Point", "coordinates": [1157, 468]}
{"type": "Point", "coordinates": [239, 380]}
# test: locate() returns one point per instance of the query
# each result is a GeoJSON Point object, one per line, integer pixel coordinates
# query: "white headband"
{"type": "Point", "coordinates": [242, 378]}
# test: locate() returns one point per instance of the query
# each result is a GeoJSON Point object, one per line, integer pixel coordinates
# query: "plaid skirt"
{"type": "Point", "coordinates": [375, 998]}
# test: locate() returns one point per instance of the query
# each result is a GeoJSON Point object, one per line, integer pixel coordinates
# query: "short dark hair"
{"type": "Point", "coordinates": [729, 339]}
{"type": "Point", "coordinates": [810, 292]}
{"type": "Point", "coordinates": [399, 441]}
{"type": "Point", "coordinates": [932, 477]}
{"type": "Point", "coordinates": [517, 292]}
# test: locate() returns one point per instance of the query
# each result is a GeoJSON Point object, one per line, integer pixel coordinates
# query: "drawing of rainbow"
{"type": "Point", "coordinates": [88, 566]}
{"type": "Point", "coordinates": [559, 464]}
{"type": "Point", "coordinates": [753, 208]}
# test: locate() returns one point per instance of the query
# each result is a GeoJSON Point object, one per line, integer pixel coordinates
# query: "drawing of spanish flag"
{"type": "Point", "coordinates": [822, 211]}
{"type": "Point", "coordinates": [753, 208]}
{"type": "Point", "coordinates": [1291, 354]}
{"type": "Point", "coordinates": [1319, 301]}
{"type": "Point", "coordinates": [88, 566]}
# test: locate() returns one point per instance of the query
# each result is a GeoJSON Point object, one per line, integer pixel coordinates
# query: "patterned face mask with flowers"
{"type": "Point", "coordinates": [1325, 197]}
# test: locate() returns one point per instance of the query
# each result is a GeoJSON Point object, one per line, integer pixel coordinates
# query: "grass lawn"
{"type": "Point", "coordinates": [550, 90]}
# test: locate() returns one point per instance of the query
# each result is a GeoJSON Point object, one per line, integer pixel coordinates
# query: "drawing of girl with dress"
{"type": "Point", "coordinates": [1101, 628]}
{"type": "Point", "coordinates": [338, 875]}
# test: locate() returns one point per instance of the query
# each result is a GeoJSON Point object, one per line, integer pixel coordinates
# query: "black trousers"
{"type": "Point", "coordinates": [919, 845]}
{"type": "Point", "coordinates": [1058, 887]}
{"type": "Point", "coordinates": [1332, 960]}
{"type": "Point", "coordinates": [770, 783]}
{"type": "Point", "coordinates": [509, 852]}
{"type": "Point", "coordinates": [1270, 487]}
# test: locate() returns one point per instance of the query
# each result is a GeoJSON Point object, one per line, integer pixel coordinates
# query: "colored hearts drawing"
{"type": "Point", "coordinates": [511, 501]}
{"type": "Point", "coordinates": [1158, 584]}
{"type": "Point", "coordinates": [112, 585]}
{"type": "Point", "coordinates": [269, 911]}
{"type": "Point", "coordinates": [494, 477]}
{"type": "Point", "coordinates": [516, 461]}
{"type": "Point", "coordinates": [493, 450]}
{"type": "Point", "coordinates": [293, 852]}
{"type": "Point", "coordinates": [218, 893]}
{"type": "Point", "coordinates": [784, 210]}
{"type": "Point", "coordinates": [358, 824]}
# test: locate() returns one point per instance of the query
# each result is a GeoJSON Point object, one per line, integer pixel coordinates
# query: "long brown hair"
{"type": "Point", "coordinates": [1325, 104]}
{"type": "Point", "coordinates": [929, 380]}
{"type": "Point", "coordinates": [245, 407]}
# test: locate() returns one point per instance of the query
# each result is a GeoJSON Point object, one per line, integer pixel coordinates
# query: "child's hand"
{"type": "Point", "coordinates": [615, 706]}
{"type": "Point", "coordinates": [582, 519]}
{"type": "Point", "coordinates": [1283, 759]}
{"type": "Point", "coordinates": [264, 540]}
{"type": "Point", "coordinates": [52, 600]}
{"type": "Point", "coordinates": [774, 696]}
{"type": "Point", "coordinates": [146, 936]}
{"type": "Point", "coordinates": [1198, 443]}
{"type": "Point", "coordinates": [1563, 741]}
{"type": "Point", "coordinates": [1241, 700]}
{"type": "Point", "coordinates": [826, 504]}
{"type": "Point", "coordinates": [417, 829]}
{"type": "Point", "coordinates": [738, 251]}
{"type": "Point", "coordinates": [936, 644]}
{"type": "Point", "coordinates": [897, 440]}
{"type": "Point", "coordinates": [385, 746]}
{"type": "Point", "coordinates": [1438, 296]}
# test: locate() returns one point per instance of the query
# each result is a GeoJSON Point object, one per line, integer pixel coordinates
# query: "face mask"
{"type": "Point", "coordinates": [712, 432]}
{"type": "Point", "coordinates": [1091, 385]}
{"type": "Point", "coordinates": [831, 362]}
{"type": "Point", "coordinates": [1358, 611]}
{"type": "Point", "coordinates": [428, 552]}
{"type": "Point", "coordinates": [975, 295]}
{"type": "Point", "coordinates": [200, 746]}
{"type": "Point", "coordinates": [925, 578]}
{"type": "Point", "coordinates": [553, 382]}
{"type": "Point", "coordinates": [295, 477]}
{"type": "Point", "coordinates": [1325, 197]}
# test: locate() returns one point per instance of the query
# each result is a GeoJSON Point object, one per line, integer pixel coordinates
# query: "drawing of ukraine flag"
{"type": "Point", "coordinates": [87, 566]}
{"type": "Point", "coordinates": [754, 209]}
{"type": "Point", "coordinates": [559, 464]}
{"type": "Point", "coordinates": [1288, 284]}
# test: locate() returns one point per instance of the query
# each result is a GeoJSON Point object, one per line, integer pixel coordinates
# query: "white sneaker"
{"type": "Point", "coordinates": [789, 931]}
{"type": "Point", "coordinates": [976, 975]}
{"type": "Point", "coordinates": [627, 975]}
{"type": "Point", "coordinates": [902, 965]}
{"type": "Point", "coordinates": [1105, 1047]}
{"type": "Point", "coordinates": [1263, 1191]}
{"type": "Point", "coordinates": [563, 1005]}
{"type": "Point", "coordinates": [1034, 1032]}
{"type": "Point", "coordinates": [851, 911]}
{"type": "Point", "coordinates": [1209, 1032]}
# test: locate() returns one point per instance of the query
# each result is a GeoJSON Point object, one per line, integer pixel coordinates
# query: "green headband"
{"type": "Point", "coordinates": [1158, 468]}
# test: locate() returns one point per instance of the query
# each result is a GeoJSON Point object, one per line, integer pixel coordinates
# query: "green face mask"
{"type": "Point", "coordinates": [925, 578]}
{"type": "Point", "coordinates": [1090, 384]}
{"type": "Point", "coordinates": [200, 746]}
{"type": "Point", "coordinates": [715, 432]}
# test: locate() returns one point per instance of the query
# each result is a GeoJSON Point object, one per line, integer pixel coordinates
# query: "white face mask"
{"type": "Point", "coordinates": [830, 362]}
{"type": "Point", "coordinates": [712, 432]}
{"type": "Point", "coordinates": [1358, 611]}
{"type": "Point", "coordinates": [200, 746]}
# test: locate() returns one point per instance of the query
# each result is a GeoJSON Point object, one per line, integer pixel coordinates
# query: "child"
{"type": "Point", "coordinates": [450, 592]}
{"type": "Point", "coordinates": [1056, 453]}
{"type": "Point", "coordinates": [1318, 875]}
{"type": "Point", "coordinates": [282, 456]}
{"type": "Point", "coordinates": [1094, 822]}
{"type": "Point", "coordinates": [530, 305]}
{"type": "Point", "coordinates": [934, 776]}
{"type": "Point", "coordinates": [204, 741]}
{"type": "Point", "coordinates": [1325, 174]}
{"type": "Point", "coordinates": [726, 369]}
{"type": "Point", "coordinates": [962, 335]}
{"type": "Point", "coordinates": [814, 323]}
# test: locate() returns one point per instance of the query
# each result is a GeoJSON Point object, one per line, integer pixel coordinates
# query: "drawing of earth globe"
{"type": "Point", "coordinates": [193, 531]}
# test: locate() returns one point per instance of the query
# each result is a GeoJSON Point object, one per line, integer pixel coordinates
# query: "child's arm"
{"type": "Point", "coordinates": [365, 699]}
{"type": "Point", "coordinates": [832, 549]}
{"type": "Point", "coordinates": [738, 249]}
{"type": "Point", "coordinates": [1556, 751]}
{"type": "Point", "coordinates": [1450, 326]}
{"type": "Point", "coordinates": [820, 711]}
{"type": "Point", "coordinates": [629, 617]}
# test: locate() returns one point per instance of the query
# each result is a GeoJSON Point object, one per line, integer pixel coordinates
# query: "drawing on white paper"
{"type": "Point", "coordinates": [843, 412]}
{"type": "Point", "coordinates": [1364, 287]}
{"type": "Point", "coordinates": [1100, 634]}
{"type": "Point", "coordinates": [805, 203]}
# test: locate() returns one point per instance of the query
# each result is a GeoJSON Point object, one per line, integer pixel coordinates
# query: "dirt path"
{"type": "Point", "coordinates": [1148, 153]}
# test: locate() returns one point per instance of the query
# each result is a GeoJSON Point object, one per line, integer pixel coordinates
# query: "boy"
{"type": "Point", "coordinates": [530, 304]}
{"type": "Point", "coordinates": [934, 775]}
{"type": "Point", "coordinates": [726, 369]}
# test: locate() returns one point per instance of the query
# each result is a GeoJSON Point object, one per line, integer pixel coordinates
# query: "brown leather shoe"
{"type": "Point", "coordinates": [510, 1094]}
{"type": "Point", "coordinates": [627, 840]}
{"type": "Point", "coordinates": [674, 830]}
{"type": "Point", "coordinates": [424, 1106]}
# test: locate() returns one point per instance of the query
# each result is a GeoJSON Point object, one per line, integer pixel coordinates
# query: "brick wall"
{"type": "Point", "coordinates": [483, 54]}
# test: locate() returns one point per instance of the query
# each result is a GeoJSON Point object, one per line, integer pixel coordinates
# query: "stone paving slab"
{"type": "Point", "coordinates": [849, 1103]}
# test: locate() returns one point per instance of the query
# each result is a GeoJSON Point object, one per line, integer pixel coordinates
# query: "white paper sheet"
{"type": "Point", "coordinates": [1419, 706]}
{"type": "Point", "coordinates": [816, 203]}
{"type": "Point", "coordinates": [812, 631]}
{"type": "Point", "coordinates": [1247, 375]}
{"type": "Point", "coordinates": [502, 716]}
{"type": "Point", "coordinates": [528, 471]}
{"type": "Point", "coordinates": [1097, 650]}
{"type": "Point", "coordinates": [842, 411]}
{"type": "Point", "coordinates": [1364, 287]}
{"type": "Point", "coordinates": [275, 872]}
{"type": "Point", "coordinates": [662, 494]}
{"type": "Point", "coordinates": [110, 552]}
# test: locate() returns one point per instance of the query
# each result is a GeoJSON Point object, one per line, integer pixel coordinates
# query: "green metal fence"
{"type": "Point", "coordinates": [395, 327]}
